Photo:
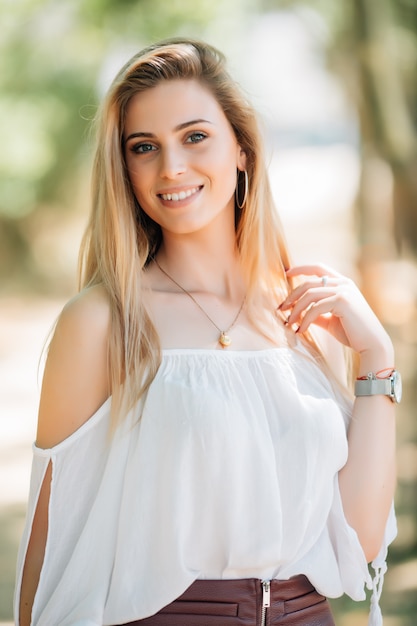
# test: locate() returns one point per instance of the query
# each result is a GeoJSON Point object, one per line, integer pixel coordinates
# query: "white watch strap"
{"type": "Point", "coordinates": [373, 387]}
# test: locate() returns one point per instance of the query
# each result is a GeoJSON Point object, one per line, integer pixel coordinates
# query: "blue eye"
{"type": "Point", "coordinates": [196, 137]}
{"type": "Point", "coordinates": [143, 148]}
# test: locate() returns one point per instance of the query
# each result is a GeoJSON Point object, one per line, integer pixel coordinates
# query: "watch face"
{"type": "Point", "coordinates": [397, 386]}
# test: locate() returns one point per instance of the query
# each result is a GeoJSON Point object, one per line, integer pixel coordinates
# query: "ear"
{"type": "Point", "coordinates": [241, 159]}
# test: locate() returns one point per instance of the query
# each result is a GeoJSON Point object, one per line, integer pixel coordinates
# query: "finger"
{"type": "Point", "coordinates": [322, 309]}
{"type": "Point", "coordinates": [312, 270]}
{"type": "Point", "coordinates": [315, 289]}
{"type": "Point", "coordinates": [305, 303]}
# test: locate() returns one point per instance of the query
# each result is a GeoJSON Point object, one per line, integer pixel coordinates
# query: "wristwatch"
{"type": "Point", "coordinates": [373, 386]}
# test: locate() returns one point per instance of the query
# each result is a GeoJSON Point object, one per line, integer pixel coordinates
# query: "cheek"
{"type": "Point", "coordinates": [138, 178]}
{"type": "Point", "coordinates": [223, 164]}
{"type": "Point", "coordinates": [226, 173]}
{"type": "Point", "coordinates": [142, 197]}
{"type": "Point", "coordinates": [138, 189]}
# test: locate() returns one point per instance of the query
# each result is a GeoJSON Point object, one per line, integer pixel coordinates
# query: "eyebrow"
{"type": "Point", "coordinates": [176, 129]}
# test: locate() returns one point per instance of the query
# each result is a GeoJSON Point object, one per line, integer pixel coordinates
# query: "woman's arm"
{"type": "Point", "coordinates": [75, 385]}
{"type": "Point", "coordinates": [367, 481]}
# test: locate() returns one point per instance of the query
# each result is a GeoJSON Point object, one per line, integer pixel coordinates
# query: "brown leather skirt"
{"type": "Point", "coordinates": [292, 602]}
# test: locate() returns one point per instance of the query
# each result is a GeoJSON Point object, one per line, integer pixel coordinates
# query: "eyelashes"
{"type": "Point", "coordinates": [196, 137]}
{"type": "Point", "coordinates": [142, 148]}
{"type": "Point", "coordinates": [146, 147]}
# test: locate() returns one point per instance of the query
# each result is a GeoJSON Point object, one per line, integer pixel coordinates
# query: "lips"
{"type": "Point", "coordinates": [180, 195]}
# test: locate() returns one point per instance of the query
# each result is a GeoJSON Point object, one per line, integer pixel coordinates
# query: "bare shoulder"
{"type": "Point", "coordinates": [88, 311]}
{"type": "Point", "coordinates": [76, 381]}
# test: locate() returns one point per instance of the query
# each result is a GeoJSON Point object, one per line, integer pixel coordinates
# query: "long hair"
{"type": "Point", "coordinates": [121, 239]}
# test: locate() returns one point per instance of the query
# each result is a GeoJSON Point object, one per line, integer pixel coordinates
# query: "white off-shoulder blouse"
{"type": "Point", "coordinates": [227, 469]}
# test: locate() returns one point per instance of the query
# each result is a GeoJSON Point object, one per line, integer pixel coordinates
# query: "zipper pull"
{"type": "Point", "coordinates": [266, 594]}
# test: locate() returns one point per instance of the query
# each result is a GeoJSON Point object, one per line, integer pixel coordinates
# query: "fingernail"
{"type": "Point", "coordinates": [297, 329]}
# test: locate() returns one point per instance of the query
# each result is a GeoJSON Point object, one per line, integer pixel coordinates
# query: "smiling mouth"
{"type": "Point", "coordinates": [181, 195]}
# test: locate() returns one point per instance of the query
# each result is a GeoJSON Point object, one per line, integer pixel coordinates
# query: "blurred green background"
{"type": "Point", "coordinates": [336, 85]}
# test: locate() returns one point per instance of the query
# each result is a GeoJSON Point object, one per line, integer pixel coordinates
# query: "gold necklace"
{"type": "Point", "coordinates": [224, 338]}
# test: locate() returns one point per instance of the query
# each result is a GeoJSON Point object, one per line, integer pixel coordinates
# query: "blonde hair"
{"type": "Point", "coordinates": [121, 239]}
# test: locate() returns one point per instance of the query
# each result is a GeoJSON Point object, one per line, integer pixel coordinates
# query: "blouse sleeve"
{"type": "Point", "coordinates": [78, 466]}
{"type": "Point", "coordinates": [379, 566]}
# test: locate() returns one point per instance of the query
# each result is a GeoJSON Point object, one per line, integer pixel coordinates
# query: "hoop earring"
{"type": "Point", "coordinates": [245, 195]}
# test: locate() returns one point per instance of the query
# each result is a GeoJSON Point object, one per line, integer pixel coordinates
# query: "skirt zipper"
{"type": "Point", "coordinates": [266, 600]}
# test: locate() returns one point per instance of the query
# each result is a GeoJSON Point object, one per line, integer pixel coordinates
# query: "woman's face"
{"type": "Point", "coordinates": [181, 156]}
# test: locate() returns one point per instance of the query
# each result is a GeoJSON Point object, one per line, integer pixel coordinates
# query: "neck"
{"type": "Point", "coordinates": [202, 264]}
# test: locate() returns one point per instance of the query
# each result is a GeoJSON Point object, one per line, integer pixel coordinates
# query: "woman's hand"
{"type": "Point", "coordinates": [333, 302]}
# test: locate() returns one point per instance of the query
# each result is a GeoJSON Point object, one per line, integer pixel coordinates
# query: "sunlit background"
{"type": "Point", "coordinates": [335, 82]}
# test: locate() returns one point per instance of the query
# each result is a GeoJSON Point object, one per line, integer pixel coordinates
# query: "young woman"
{"type": "Point", "coordinates": [198, 461]}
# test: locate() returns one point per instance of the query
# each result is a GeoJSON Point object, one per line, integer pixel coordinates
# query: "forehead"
{"type": "Point", "coordinates": [170, 104]}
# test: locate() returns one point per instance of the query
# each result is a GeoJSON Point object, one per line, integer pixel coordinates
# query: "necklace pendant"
{"type": "Point", "coordinates": [224, 340]}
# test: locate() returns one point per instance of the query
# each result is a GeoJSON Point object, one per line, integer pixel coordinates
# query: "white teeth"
{"type": "Point", "coordinates": [174, 197]}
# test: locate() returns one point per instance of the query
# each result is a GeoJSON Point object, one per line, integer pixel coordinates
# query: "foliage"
{"type": "Point", "coordinates": [54, 57]}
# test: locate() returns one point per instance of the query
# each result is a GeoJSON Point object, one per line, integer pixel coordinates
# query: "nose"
{"type": "Point", "coordinates": [172, 162]}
